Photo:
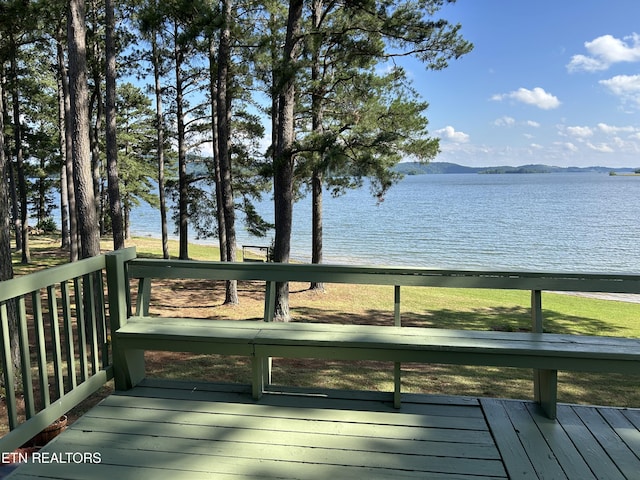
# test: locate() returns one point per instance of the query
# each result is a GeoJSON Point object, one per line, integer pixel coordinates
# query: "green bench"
{"type": "Point", "coordinates": [260, 341]}
{"type": "Point", "coordinates": [546, 354]}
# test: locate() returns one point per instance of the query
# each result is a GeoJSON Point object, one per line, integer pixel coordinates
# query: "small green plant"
{"type": "Point", "coordinates": [48, 225]}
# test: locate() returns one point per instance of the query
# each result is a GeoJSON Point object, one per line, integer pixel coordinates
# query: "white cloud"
{"type": "Point", "coordinates": [450, 133]}
{"type": "Point", "coordinates": [569, 146]}
{"type": "Point", "coordinates": [566, 146]}
{"type": "Point", "coordinates": [536, 97]}
{"type": "Point", "coordinates": [580, 132]}
{"type": "Point", "coordinates": [531, 123]}
{"type": "Point", "coordinates": [600, 147]}
{"type": "Point", "coordinates": [627, 87]}
{"type": "Point", "coordinates": [613, 130]}
{"type": "Point", "coordinates": [604, 51]}
{"type": "Point", "coordinates": [504, 121]}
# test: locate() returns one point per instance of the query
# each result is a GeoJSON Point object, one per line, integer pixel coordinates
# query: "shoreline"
{"type": "Point", "coordinates": [616, 297]}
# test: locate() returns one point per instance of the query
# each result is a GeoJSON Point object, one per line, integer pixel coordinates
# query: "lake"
{"type": "Point", "coordinates": [563, 222]}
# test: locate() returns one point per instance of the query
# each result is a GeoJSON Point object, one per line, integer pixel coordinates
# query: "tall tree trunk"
{"type": "Point", "coordinates": [68, 156]}
{"type": "Point", "coordinates": [160, 146]}
{"type": "Point", "coordinates": [284, 159]}
{"type": "Point", "coordinates": [64, 196]}
{"type": "Point", "coordinates": [224, 120]}
{"type": "Point", "coordinates": [96, 106]}
{"type": "Point", "coordinates": [183, 193]}
{"type": "Point", "coordinates": [115, 207]}
{"type": "Point", "coordinates": [316, 227]}
{"type": "Point", "coordinates": [316, 126]}
{"type": "Point", "coordinates": [15, 204]}
{"type": "Point", "coordinates": [85, 199]}
{"type": "Point", "coordinates": [18, 151]}
{"type": "Point", "coordinates": [213, 91]}
{"type": "Point", "coordinates": [95, 130]}
{"type": "Point", "coordinates": [6, 266]}
{"type": "Point", "coordinates": [11, 177]}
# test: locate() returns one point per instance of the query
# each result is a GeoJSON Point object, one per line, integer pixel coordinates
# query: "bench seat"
{"type": "Point", "coordinates": [261, 340]}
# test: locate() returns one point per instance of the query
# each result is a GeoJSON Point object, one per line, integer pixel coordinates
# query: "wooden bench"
{"type": "Point", "coordinates": [262, 340]}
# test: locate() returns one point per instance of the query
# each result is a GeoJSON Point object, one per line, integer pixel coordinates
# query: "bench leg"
{"type": "Point", "coordinates": [261, 373]}
{"type": "Point", "coordinates": [128, 367]}
{"type": "Point", "coordinates": [257, 386]}
{"type": "Point", "coordinates": [546, 393]}
{"type": "Point", "coordinates": [397, 382]}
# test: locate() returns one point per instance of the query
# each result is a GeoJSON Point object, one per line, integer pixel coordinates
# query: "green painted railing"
{"type": "Point", "coordinates": [147, 269]}
{"type": "Point", "coordinates": [536, 282]}
{"type": "Point", "coordinates": [59, 318]}
{"type": "Point", "coordinates": [64, 316]}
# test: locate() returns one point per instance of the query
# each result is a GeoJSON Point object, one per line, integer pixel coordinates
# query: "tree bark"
{"type": "Point", "coordinates": [68, 156]}
{"type": "Point", "coordinates": [224, 118]}
{"type": "Point", "coordinates": [64, 194]}
{"type": "Point", "coordinates": [284, 159]}
{"type": "Point", "coordinates": [94, 144]}
{"type": "Point", "coordinates": [6, 266]}
{"type": "Point", "coordinates": [316, 126]}
{"type": "Point", "coordinates": [19, 154]}
{"type": "Point", "coordinates": [113, 180]}
{"type": "Point", "coordinates": [316, 220]}
{"type": "Point", "coordinates": [213, 91]}
{"type": "Point", "coordinates": [160, 146]}
{"type": "Point", "coordinates": [183, 193]}
{"type": "Point", "coordinates": [85, 198]}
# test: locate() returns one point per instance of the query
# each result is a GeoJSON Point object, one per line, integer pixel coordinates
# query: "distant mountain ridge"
{"type": "Point", "coordinates": [416, 168]}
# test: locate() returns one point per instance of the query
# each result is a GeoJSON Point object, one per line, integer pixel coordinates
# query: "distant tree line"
{"type": "Point", "coordinates": [105, 105]}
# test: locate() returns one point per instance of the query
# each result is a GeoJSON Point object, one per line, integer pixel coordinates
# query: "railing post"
{"type": "Point", "coordinates": [397, 367]}
{"type": "Point", "coordinates": [7, 364]}
{"type": "Point", "coordinates": [536, 311]}
{"type": "Point", "coordinates": [269, 301]}
{"type": "Point", "coordinates": [545, 382]}
{"type": "Point", "coordinates": [269, 309]}
{"type": "Point", "coordinates": [25, 359]}
{"type": "Point", "coordinates": [43, 376]}
{"type": "Point", "coordinates": [144, 297]}
{"type": "Point", "coordinates": [54, 323]}
{"type": "Point", "coordinates": [536, 327]}
{"type": "Point", "coordinates": [128, 365]}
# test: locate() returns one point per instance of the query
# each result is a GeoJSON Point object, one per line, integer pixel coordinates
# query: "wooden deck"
{"type": "Point", "coordinates": [164, 430]}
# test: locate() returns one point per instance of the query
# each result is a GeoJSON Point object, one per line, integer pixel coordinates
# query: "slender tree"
{"type": "Point", "coordinates": [217, 176]}
{"type": "Point", "coordinates": [6, 264]}
{"type": "Point", "coordinates": [113, 180]}
{"type": "Point", "coordinates": [67, 147]}
{"type": "Point", "coordinates": [136, 138]}
{"type": "Point", "coordinates": [367, 33]}
{"type": "Point", "coordinates": [283, 167]}
{"type": "Point", "coordinates": [19, 154]}
{"type": "Point", "coordinates": [88, 228]}
{"type": "Point", "coordinates": [160, 140]}
{"type": "Point", "coordinates": [223, 103]}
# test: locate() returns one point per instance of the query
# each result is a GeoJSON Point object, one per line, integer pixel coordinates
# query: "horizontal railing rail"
{"type": "Point", "coordinates": [536, 282]}
{"type": "Point", "coordinates": [405, 276]}
{"type": "Point", "coordinates": [54, 343]}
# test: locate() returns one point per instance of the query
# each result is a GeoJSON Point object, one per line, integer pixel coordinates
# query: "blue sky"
{"type": "Point", "coordinates": [549, 81]}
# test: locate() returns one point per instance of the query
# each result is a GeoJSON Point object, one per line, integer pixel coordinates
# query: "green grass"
{"type": "Point", "coordinates": [505, 310]}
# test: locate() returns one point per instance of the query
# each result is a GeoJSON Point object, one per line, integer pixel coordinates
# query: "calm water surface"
{"type": "Point", "coordinates": [549, 222]}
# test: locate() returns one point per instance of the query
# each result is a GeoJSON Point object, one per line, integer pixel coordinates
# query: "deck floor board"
{"type": "Point", "coordinates": [171, 430]}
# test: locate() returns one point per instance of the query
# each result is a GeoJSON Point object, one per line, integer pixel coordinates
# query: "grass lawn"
{"type": "Point", "coordinates": [428, 307]}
